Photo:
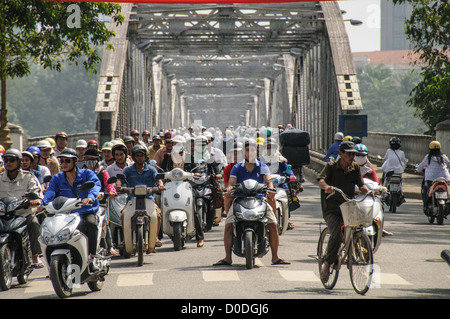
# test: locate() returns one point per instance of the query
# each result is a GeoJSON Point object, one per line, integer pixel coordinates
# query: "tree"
{"type": "Point", "coordinates": [428, 29]}
{"type": "Point", "coordinates": [42, 32]}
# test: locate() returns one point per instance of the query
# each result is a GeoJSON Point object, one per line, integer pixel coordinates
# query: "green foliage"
{"type": "Point", "coordinates": [47, 101]}
{"type": "Point", "coordinates": [384, 98]}
{"type": "Point", "coordinates": [35, 31]}
{"type": "Point", "coordinates": [428, 29]}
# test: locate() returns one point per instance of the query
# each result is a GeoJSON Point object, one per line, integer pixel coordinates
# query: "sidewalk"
{"type": "Point", "coordinates": [411, 183]}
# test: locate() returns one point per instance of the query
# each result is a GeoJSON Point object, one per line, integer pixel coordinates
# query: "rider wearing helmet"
{"type": "Point", "coordinates": [119, 152]}
{"type": "Point", "coordinates": [43, 170]}
{"type": "Point", "coordinates": [108, 158]}
{"type": "Point", "coordinates": [146, 138]}
{"type": "Point", "coordinates": [435, 165]}
{"type": "Point", "coordinates": [16, 182]}
{"type": "Point", "coordinates": [364, 165]}
{"type": "Point", "coordinates": [61, 142]}
{"type": "Point", "coordinates": [27, 159]}
{"type": "Point", "coordinates": [46, 158]}
{"type": "Point", "coordinates": [140, 173]}
{"type": "Point", "coordinates": [333, 151]}
{"type": "Point", "coordinates": [68, 184]}
{"type": "Point", "coordinates": [394, 159]}
{"type": "Point", "coordinates": [166, 150]}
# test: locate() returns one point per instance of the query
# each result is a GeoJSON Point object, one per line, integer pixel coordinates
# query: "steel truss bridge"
{"type": "Point", "coordinates": [253, 64]}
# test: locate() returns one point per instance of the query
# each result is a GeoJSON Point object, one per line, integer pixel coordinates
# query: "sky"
{"type": "Point", "coordinates": [365, 37]}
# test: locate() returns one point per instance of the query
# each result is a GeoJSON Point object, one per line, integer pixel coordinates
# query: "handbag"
{"type": "Point", "coordinates": [217, 197]}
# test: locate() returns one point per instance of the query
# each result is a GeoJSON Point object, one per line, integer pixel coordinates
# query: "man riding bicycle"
{"type": "Point", "coordinates": [344, 174]}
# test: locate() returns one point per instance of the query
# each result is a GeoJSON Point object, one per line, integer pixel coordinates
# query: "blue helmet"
{"type": "Point", "coordinates": [361, 150]}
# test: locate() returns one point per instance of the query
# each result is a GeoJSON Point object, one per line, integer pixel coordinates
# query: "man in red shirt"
{"type": "Point", "coordinates": [234, 156]}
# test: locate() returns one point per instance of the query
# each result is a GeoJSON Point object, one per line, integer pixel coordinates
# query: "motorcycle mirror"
{"type": "Point", "coordinates": [87, 186]}
{"type": "Point", "coordinates": [112, 180]}
{"type": "Point", "coordinates": [31, 196]}
{"type": "Point", "coordinates": [160, 176]}
{"type": "Point", "coordinates": [153, 163]}
{"type": "Point", "coordinates": [47, 178]}
{"type": "Point", "coordinates": [121, 176]}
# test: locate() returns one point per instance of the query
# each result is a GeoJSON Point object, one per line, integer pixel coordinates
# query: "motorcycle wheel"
{"type": "Point", "coordinates": [393, 203]}
{"type": "Point", "coordinates": [440, 217]}
{"type": "Point", "coordinates": [140, 244]}
{"type": "Point", "coordinates": [96, 285]}
{"type": "Point", "coordinates": [6, 267]}
{"type": "Point", "coordinates": [248, 244]}
{"type": "Point", "coordinates": [177, 239]}
{"type": "Point", "coordinates": [59, 276]}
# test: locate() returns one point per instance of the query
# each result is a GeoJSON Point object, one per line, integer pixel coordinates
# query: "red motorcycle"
{"type": "Point", "coordinates": [438, 201]}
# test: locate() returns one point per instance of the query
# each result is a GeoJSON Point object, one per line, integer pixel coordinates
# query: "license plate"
{"type": "Point", "coordinates": [440, 195]}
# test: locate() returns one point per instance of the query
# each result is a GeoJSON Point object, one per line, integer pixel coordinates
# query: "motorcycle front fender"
{"type": "Point", "coordinates": [65, 252]}
{"type": "Point", "coordinates": [4, 238]}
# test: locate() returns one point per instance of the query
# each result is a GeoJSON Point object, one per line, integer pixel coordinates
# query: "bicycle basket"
{"type": "Point", "coordinates": [356, 214]}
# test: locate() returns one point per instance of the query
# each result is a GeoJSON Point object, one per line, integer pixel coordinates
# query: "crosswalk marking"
{"type": "Point", "coordinates": [220, 275]}
{"type": "Point", "coordinates": [142, 279]}
{"type": "Point", "coordinates": [389, 279]}
{"type": "Point", "coordinates": [298, 275]}
{"type": "Point", "coordinates": [39, 285]}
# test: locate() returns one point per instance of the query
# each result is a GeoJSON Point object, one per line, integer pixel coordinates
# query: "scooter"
{"type": "Point", "coordinates": [139, 220]}
{"type": "Point", "coordinates": [437, 204]}
{"type": "Point", "coordinates": [250, 236]}
{"type": "Point", "coordinates": [393, 183]}
{"type": "Point", "coordinates": [65, 248]}
{"type": "Point", "coordinates": [375, 205]}
{"type": "Point", "coordinates": [282, 203]}
{"type": "Point", "coordinates": [203, 200]}
{"type": "Point", "coordinates": [15, 251]}
{"type": "Point", "coordinates": [115, 207]}
{"type": "Point", "coordinates": [177, 207]}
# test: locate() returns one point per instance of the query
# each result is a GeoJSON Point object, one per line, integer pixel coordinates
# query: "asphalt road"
{"type": "Point", "coordinates": [408, 265]}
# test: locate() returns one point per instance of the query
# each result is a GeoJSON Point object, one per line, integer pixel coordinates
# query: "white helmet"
{"type": "Point", "coordinates": [43, 144]}
{"type": "Point", "coordinates": [338, 136]}
{"type": "Point", "coordinates": [81, 143]}
{"type": "Point", "coordinates": [179, 139]}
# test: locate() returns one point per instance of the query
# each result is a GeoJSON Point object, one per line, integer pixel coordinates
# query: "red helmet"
{"type": "Point", "coordinates": [146, 132]}
{"type": "Point", "coordinates": [92, 142]}
{"type": "Point", "coordinates": [134, 132]}
{"type": "Point", "coordinates": [61, 134]}
{"type": "Point", "coordinates": [168, 136]}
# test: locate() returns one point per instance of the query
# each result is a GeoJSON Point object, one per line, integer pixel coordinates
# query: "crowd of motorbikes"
{"type": "Point", "coordinates": [134, 223]}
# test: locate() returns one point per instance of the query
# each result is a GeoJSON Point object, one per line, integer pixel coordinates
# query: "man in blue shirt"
{"type": "Point", "coordinates": [333, 151]}
{"type": "Point", "coordinates": [251, 168]}
{"type": "Point", "coordinates": [140, 173]}
{"type": "Point", "coordinates": [68, 184]}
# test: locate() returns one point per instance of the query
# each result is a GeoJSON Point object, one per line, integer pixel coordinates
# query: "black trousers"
{"type": "Point", "coordinates": [88, 226]}
{"type": "Point", "coordinates": [334, 222]}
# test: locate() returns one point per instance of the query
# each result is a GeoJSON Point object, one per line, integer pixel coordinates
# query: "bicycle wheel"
{"type": "Point", "coordinates": [321, 256]}
{"type": "Point", "coordinates": [360, 262]}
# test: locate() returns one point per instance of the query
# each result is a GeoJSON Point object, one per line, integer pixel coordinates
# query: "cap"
{"type": "Point", "coordinates": [347, 147]}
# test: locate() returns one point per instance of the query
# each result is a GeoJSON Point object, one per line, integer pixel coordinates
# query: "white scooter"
{"type": "Point", "coordinates": [374, 204]}
{"type": "Point", "coordinates": [282, 201]}
{"type": "Point", "coordinates": [177, 207]}
{"type": "Point", "coordinates": [66, 248]}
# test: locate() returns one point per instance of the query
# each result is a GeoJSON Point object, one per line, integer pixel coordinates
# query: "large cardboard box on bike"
{"type": "Point", "coordinates": [294, 146]}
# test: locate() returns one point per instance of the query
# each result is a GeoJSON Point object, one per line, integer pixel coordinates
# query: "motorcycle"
{"type": "Point", "coordinates": [65, 248]}
{"type": "Point", "coordinates": [203, 198]}
{"type": "Point", "coordinates": [139, 221]}
{"type": "Point", "coordinates": [393, 183]}
{"type": "Point", "coordinates": [177, 207]}
{"type": "Point", "coordinates": [115, 207]}
{"type": "Point", "coordinates": [250, 236]}
{"type": "Point", "coordinates": [282, 203]}
{"type": "Point", "coordinates": [375, 205]}
{"type": "Point", "coordinates": [15, 251]}
{"type": "Point", "coordinates": [438, 200]}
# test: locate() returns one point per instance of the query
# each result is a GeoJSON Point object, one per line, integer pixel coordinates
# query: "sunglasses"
{"type": "Point", "coordinates": [65, 160]}
{"type": "Point", "coordinates": [10, 159]}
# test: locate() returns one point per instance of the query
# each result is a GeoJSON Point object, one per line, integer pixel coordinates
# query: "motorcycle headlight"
{"type": "Point", "coordinates": [2, 208]}
{"type": "Point", "coordinates": [250, 215]}
{"type": "Point", "coordinates": [61, 237]}
{"type": "Point", "coordinates": [177, 174]}
{"type": "Point", "coordinates": [12, 206]}
{"type": "Point", "coordinates": [140, 190]}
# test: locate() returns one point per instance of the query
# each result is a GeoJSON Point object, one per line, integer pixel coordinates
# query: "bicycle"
{"type": "Point", "coordinates": [355, 249]}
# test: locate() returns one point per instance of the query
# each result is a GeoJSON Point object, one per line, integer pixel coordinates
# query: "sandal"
{"type": "Point", "coordinates": [222, 262]}
{"type": "Point", "coordinates": [290, 226]}
{"type": "Point", "coordinates": [281, 262]}
{"type": "Point", "coordinates": [38, 264]}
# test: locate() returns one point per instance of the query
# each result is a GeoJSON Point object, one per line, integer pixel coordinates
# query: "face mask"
{"type": "Point", "coordinates": [361, 160]}
{"type": "Point", "coordinates": [90, 163]}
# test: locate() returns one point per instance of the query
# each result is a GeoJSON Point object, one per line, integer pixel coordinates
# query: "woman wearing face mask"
{"type": "Point", "coordinates": [366, 167]}
{"type": "Point", "coordinates": [91, 161]}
